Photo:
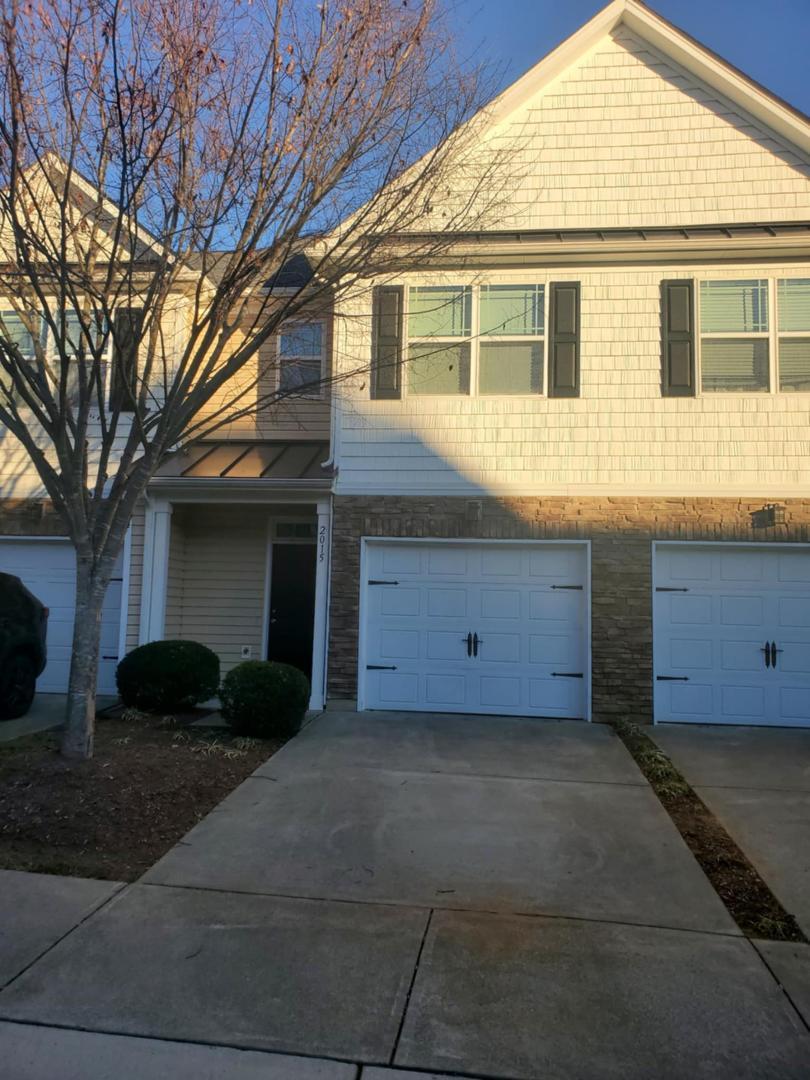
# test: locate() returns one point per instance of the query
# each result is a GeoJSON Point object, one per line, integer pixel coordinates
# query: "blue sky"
{"type": "Point", "coordinates": [769, 41]}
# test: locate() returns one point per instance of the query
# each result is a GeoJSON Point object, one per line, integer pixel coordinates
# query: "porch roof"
{"type": "Point", "coordinates": [289, 462]}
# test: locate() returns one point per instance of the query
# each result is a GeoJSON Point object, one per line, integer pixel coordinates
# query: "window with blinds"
{"type": "Point", "coordinates": [439, 332]}
{"type": "Point", "coordinates": [487, 340]}
{"type": "Point", "coordinates": [17, 333]}
{"type": "Point", "coordinates": [793, 306]}
{"type": "Point", "coordinates": [755, 335]}
{"type": "Point", "coordinates": [734, 335]}
{"type": "Point", "coordinates": [301, 358]}
{"type": "Point", "coordinates": [510, 359]}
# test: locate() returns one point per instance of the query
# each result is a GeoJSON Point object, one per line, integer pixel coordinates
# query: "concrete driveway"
{"type": "Point", "coordinates": [46, 713]}
{"type": "Point", "coordinates": [757, 782]}
{"type": "Point", "coordinates": [480, 896]}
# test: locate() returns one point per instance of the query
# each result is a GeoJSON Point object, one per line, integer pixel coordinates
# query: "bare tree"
{"type": "Point", "coordinates": [160, 161]}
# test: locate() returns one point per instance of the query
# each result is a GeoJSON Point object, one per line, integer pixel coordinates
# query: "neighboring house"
{"type": "Point", "coordinates": [572, 477]}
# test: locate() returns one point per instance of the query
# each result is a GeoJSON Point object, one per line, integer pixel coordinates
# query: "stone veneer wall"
{"type": "Point", "coordinates": [620, 530]}
{"type": "Point", "coordinates": [29, 517]}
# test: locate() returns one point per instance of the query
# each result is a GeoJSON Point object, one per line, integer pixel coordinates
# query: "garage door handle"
{"type": "Point", "coordinates": [476, 642]}
{"type": "Point", "coordinates": [774, 651]}
{"type": "Point", "coordinates": [381, 667]}
{"type": "Point", "coordinates": [672, 678]}
{"type": "Point", "coordinates": [767, 651]}
{"type": "Point", "coordinates": [468, 640]}
{"type": "Point", "coordinates": [567, 674]}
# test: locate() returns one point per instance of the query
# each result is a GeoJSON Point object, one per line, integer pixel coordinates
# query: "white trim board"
{"type": "Point", "coordinates": [470, 489]}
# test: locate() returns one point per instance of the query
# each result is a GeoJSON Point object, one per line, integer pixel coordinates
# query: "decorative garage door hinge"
{"type": "Point", "coordinates": [381, 667]}
{"type": "Point", "coordinates": [374, 581]}
{"type": "Point", "coordinates": [672, 678]}
{"type": "Point", "coordinates": [567, 674]}
{"type": "Point", "coordinates": [578, 588]}
{"type": "Point", "coordinates": [669, 588]}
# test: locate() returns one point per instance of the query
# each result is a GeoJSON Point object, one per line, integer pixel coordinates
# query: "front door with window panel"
{"type": "Point", "coordinates": [732, 634]}
{"type": "Point", "coordinates": [476, 627]}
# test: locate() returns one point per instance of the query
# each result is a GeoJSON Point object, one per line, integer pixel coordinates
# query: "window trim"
{"type": "Point", "coordinates": [50, 352]}
{"type": "Point", "coordinates": [474, 339]}
{"type": "Point", "coordinates": [772, 335]}
{"type": "Point", "coordinates": [320, 391]}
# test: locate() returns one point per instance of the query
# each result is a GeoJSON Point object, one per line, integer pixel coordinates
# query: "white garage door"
{"type": "Point", "coordinates": [732, 634]}
{"type": "Point", "coordinates": [475, 627]}
{"type": "Point", "coordinates": [48, 569]}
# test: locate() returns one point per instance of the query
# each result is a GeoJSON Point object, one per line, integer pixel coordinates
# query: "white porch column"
{"type": "Point", "coordinates": [158, 526]}
{"type": "Point", "coordinates": [321, 620]}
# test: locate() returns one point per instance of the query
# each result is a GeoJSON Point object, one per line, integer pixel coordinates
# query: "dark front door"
{"type": "Point", "coordinates": [292, 605]}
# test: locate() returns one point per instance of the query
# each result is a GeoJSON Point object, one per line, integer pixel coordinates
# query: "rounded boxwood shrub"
{"type": "Point", "coordinates": [168, 676]}
{"type": "Point", "coordinates": [264, 699]}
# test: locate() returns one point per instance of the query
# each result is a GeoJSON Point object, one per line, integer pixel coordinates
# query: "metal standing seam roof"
{"type": "Point", "coordinates": [743, 230]}
{"type": "Point", "coordinates": [250, 460]}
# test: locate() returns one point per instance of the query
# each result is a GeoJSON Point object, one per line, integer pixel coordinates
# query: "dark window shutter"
{"type": "Point", "coordinates": [123, 384]}
{"type": "Point", "coordinates": [386, 363]}
{"type": "Point", "coordinates": [678, 338]}
{"type": "Point", "coordinates": [563, 332]}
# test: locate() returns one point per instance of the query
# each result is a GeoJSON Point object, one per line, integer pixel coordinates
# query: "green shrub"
{"type": "Point", "coordinates": [168, 676]}
{"type": "Point", "coordinates": [264, 699]}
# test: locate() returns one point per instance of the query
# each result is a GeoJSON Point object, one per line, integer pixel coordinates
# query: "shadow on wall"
{"type": "Point", "coordinates": [620, 529]}
{"type": "Point", "coordinates": [24, 506]}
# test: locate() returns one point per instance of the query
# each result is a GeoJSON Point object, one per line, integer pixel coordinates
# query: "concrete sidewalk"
{"type": "Point", "coordinates": [468, 895]}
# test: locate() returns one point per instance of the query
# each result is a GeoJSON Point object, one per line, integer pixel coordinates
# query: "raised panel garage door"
{"type": "Point", "coordinates": [732, 634]}
{"type": "Point", "coordinates": [476, 627]}
{"type": "Point", "coordinates": [48, 569]}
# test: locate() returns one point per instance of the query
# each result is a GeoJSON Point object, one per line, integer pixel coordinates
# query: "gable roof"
{"type": "Point", "coordinates": [759, 102]}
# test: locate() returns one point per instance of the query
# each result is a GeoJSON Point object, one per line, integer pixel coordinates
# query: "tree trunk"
{"type": "Point", "coordinates": [80, 720]}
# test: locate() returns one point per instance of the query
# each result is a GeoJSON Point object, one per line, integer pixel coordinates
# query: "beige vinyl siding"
{"type": "Point", "coordinates": [620, 437]}
{"type": "Point", "coordinates": [176, 580]}
{"type": "Point", "coordinates": [136, 542]}
{"type": "Point", "coordinates": [626, 137]}
{"type": "Point", "coordinates": [293, 417]}
{"type": "Point", "coordinates": [19, 478]}
{"type": "Point", "coordinates": [223, 579]}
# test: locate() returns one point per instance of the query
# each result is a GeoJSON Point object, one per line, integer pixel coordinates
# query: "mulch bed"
{"type": "Point", "coordinates": [151, 779]}
{"type": "Point", "coordinates": [748, 899]}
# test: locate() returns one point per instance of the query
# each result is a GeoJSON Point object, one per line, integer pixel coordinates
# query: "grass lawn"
{"type": "Point", "coordinates": [112, 817]}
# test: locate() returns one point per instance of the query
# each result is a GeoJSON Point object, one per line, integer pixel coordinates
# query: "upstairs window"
{"type": "Point", "coordinates": [755, 335]}
{"type": "Point", "coordinates": [511, 345]}
{"type": "Point", "coordinates": [734, 335]}
{"type": "Point", "coordinates": [487, 340]}
{"type": "Point", "coordinates": [439, 340]}
{"type": "Point", "coordinates": [793, 304]}
{"type": "Point", "coordinates": [301, 359]}
{"type": "Point", "coordinates": [17, 333]}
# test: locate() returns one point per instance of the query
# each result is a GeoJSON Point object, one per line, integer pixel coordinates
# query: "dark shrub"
{"type": "Point", "coordinates": [264, 699]}
{"type": "Point", "coordinates": [168, 676]}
